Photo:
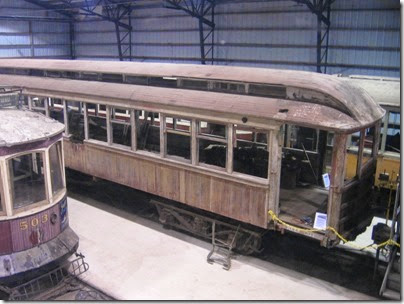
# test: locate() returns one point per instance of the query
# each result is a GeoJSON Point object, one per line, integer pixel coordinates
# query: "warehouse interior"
{"type": "Point", "coordinates": [129, 256]}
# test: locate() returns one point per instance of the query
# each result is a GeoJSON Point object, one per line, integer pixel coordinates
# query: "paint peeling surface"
{"type": "Point", "coordinates": [24, 126]}
{"type": "Point", "coordinates": [64, 244]}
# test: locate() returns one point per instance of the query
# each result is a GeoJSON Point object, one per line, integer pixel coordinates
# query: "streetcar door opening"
{"type": "Point", "coordinates": [306, 163]}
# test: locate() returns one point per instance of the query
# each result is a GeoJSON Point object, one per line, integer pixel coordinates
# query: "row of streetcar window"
{"type": "Point", "coordinates": [27, 177]}
{"type": "Point", "coordinates": [250, 150]}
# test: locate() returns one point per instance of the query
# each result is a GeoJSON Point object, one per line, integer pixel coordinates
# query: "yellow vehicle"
{"type": "Point", "coordinates": [386, 92]}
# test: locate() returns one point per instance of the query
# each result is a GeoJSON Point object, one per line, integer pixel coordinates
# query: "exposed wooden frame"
{"type": "Point", "coordinates": [229, 156]}
{"type": "Point", "coordinates": [65, 117]}
{"type": "Point", "coordinates": [3, 210]}
{"type": "Point", "coordinates": [109, 126]}
{"type": "Point", "coordinates": [360, 153]}
{"type": "Point", "coordinates": [337, 183]}
{"type": "Point", "coordinates": [86, 127]}
{"type": "Point", "coordinates": [133, 124]}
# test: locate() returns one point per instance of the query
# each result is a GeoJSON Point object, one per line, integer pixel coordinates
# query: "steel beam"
{"type": "Point", "coordinates": [50, 7]}
{"type": "Point", "coordinates": [199, 9]}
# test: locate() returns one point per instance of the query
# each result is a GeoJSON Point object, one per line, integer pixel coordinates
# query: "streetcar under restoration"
{"type": "Point", "coordinates": [255, 141]}
{"type": "Point", "coordinates": [34, 227]}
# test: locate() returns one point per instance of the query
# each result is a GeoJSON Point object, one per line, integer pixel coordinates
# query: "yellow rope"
{"type": "Point", "coordinates": [305, 230]}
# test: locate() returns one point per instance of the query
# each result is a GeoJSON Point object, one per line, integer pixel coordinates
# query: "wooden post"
{"type": "Point", "coordinates": [194, 142]}
{"type": "Point", "coordinates": [133, 125]}
{"type": "Point", "coordinates": [385, 129]}
{"type": "Point", "coordinates": [30, 102]}
{"type": "Point", "coordinates": [336, 181]}
{"type": "Point", "coordinates": [376, 140]}
{"type": "Point", "coordinates": [109, 125]}
{"type": "Point", "coordinates": [274, 167]}
{"type": "Point", "coordinates": [163, 136]}
{"type": "Point", "coordinates": [46, 104]}
{"type": "Point", "coordinates": [360, 154]}
{"type": "Point", "coordinates": [65, 117]}
{"type": "Point", "coordinates": [86, 133]}
{"type": "Point", "coordinates": [229, 159]}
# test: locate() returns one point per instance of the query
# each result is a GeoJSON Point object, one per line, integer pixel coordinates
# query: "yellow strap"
{"type": "Point", "coordinates": [305, 230]}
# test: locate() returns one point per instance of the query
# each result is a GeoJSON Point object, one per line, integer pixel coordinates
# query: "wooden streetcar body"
{"type": "Point", "coordinates": [307, 99]}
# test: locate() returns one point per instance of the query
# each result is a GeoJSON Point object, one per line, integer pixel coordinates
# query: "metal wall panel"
{"type": "Point", "coordinates": [22, 38]}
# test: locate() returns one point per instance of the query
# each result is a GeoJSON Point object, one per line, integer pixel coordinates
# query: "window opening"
{"type": "Point", "coordinates": [352, 156]}
{"type": "Point", "coordinates": [393, 132]}
{"type": "Point", "coordinates": [250, 151]}
{"type": "Point", "coordinates": [27, 179]}
{"type": "Point", "coordinates": [75, 116]}
{"type": "Point", "coordinates": [212, 143]}
{"type": "Point", "coordinates": [56, 167]}
{"type": "Point", "coordinates": [148, 131]}
{"type": "Point", "coordinates": [56, 109]}
{"type": "Point", "coordinates": [97, 123]}
{"type": "Point", "coordinates": [121, 128]}
{"type": "Point", "coordinates": [368, 145]}
{"type": "Point", "coordinates": [178, 137]}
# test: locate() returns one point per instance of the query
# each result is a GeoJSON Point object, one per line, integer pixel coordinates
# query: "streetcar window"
{"type": "Point", "coordinates": [27, 179]}
{"type": "Point", "coordinates": [393, 132]}
{"type": "Point", "coordinates": [250, 152]}
{"type": "Point", "coordinates": [212, 129]}
{"type": "Point", "coordinates": [56, 109]}
{"type": "Point", "coordinates": [194, 84]}
{"type": "Point", "coordinates": [212, 143]}
{"type": "Point", "coordinates": [75, 120]}
{"type": "Point", "coordinates": [121, 128]}
{"type": "Point", "coordinates": [148, 131]}
{"type": "Point", "coordinates": [351, 163]}
{"type": "Point", "coordinates": [368, 145]}
{"type": "Point", "coordinates": [56, 167]}
{"type": "Point", "coordinates": [178, 137]}
{"type": "Point", "coordinates": [97, 123]}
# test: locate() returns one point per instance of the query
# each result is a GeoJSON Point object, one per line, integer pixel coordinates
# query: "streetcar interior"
{"type": "Point", "coordinates": [306, 156]}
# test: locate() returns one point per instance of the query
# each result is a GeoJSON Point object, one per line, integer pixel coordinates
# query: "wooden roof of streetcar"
{"type": "Point", "coordinates": [333, 92]}
{"type": "Point", "coordinates": [22, 126]}
{"type": "Point", "coordinates": [199, 104]}
{"type": "Point", "coordinates": [385, 91]}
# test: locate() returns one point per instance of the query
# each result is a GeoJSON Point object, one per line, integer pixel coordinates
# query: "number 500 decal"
{"type": "Point", "coordinates": [34, 222]}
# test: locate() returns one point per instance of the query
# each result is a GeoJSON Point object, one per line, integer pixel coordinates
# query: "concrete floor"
{"type": "Point", "coordinates": [132, 258]}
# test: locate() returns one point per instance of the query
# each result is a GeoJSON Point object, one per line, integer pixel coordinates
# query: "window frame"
{"type": "Point", "coordinates": [62, 163]}
{"type": "Point", "coordinates": [3, 210]}
{"type": "Point", "coordinates": [176, 131]}
{"type": "Point", "coordinates": [44, 202]}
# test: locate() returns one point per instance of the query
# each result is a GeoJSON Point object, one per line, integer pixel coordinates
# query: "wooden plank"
{"type": "Point", "coordinates": [194, 143]}
{"type": "Point", "coordinates": [65, 117]}
{"type": "Point", "coordinates": [86, 130]}
{"type": "Point", "coordinates": [109, 125]}
{"type": "Point", "coordinates": [336, 182]}
{"type": "Point", "coordinates": [229, 158]}
{"type": "Point", "coordinates": [133, 124]}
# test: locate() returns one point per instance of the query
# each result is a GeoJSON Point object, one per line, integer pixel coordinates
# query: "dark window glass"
{"type": "Point", "coordinates": [27, 179]}
{"type": "Point", "coordinates": [56, 167]}
{"type": "Point", "coordinates": [212, 153]}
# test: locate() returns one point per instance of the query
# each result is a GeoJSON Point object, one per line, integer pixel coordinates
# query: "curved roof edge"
{"type": "Point", "coordinates": [347, 98]}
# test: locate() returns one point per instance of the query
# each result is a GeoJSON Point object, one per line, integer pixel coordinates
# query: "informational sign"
{"type": "Point", "coordinates": [326, 180]}
{"type": "Point", "coordinates": [320, 221]}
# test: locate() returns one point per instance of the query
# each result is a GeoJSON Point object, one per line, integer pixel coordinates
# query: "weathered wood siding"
{"type": "Point", "coordinates": [356, 202]}
{"type": "Point", "coordinates": [246, 203]}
